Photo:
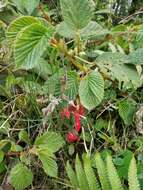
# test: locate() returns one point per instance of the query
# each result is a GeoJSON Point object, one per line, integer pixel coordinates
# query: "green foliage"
{"type": "Point", "coordinates": [136, 57]}
{"type": "Point", "coordinates": [91, 90]}
{"type": "Point", "coordinates": [23, 136]}
{"type": "Point", "coordinates": [49, 164]}
{"type": "Point", "coordinates": [30, 44]}
{"type": "Point", "coordinates": [132, 175]}
{"type": "Point", "coordinates": [106, 171]}
{"type": "Point", "coordinates": [50, 140]}
{"type": "Point", "coordinates": [92, 181]}
{"type": "Point", "coordinates": [113, 175]}
{"type": "Point", "coordinates": [17, 25]}
{"type": "Point", "coordinates": [26, 6]}
{"type": "Point", "coordinates": [20, 177]}
{"type": "Point", "coordinates": [93, 29]}
{"type": "Point", "coordinates": [76, 14]}
{"type": "Point", "coordinates": [122, 162]}
{"type": "Point", "coordinates": [70, 71]}
{"type": "Point", "coordinates": [72, 85]}
{"type": "Point", "coordinates": [127, 109]}
{"type": "Point", "coordinates": [1, 156]}
{"type": "Point", "coordinates": [116, 64]}
{"type": "Point", "coordinates": [46, 146]}
{"type": "Point", "coordinates": [72, 176]}
{"type": "Point", "coordinates": [82, 180]}
{"type": "Point", "coordinates": [102, 172]}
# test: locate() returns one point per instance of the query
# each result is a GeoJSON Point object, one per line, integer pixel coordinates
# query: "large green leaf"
{"type": "Point", "coordinates": [115, 64]}
{"type": "Point", "coordinates": [91, 90]}
{"type": "Point", "coordinates": [50, 140]}
{"type": "Point", "coordinates": [17, 25]}
{"type": "Point", "coordinates": [30, 45]}
{"type": "Point", "coordinates": [76, 13]}
{"type": "Point", "coordinates": [26, 6]}
{"type": "Point", "coordinates": [93, 29]}
{"type": "Point", "coordinates": [20, 177]}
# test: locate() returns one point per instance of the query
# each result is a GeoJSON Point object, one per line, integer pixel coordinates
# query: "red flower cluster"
{"type": "Point", "coordinates": [78, 112]}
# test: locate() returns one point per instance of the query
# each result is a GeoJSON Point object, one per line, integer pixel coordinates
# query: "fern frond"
{"type": "Point", "coordinates": [132, 176]}
{"type": "Point", "coordinates": [72, 176]}
{"type": "Point", "coordinates": [92, 181]}
{"type": "Point", "coordinates": [82, 180]}
{"type": "Point", "coordinates": [113, 175]}
{"type": "Point", "coordinates": [102, 172]}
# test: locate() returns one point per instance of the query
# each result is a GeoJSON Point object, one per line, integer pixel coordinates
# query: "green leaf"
{"type": "Point", "coordinates": [76, 14]}
{"type": "Point", "coordinates": [72, 85]}
{"type": "Point", "coordinates": [64, 30]}
{"type": "Point", "coordinates": [132, 176]}
{"type": "Point", "coordinates": [20, 177]}
{"type": "Point", "coordinates": [49, 164]}
{"type": "Point", "coordinates": [122, 163]}
{"type": "Point", "coordinates": [101, 124]}
{"type": "Point", "coordinates": [113, 175]}
{"type": "Point", "coordinates": [102, 172]}
{"type": "Point", "coordinates": [23, 136]}
{"type": "Point", "coordinates": [31, 86]}
{"type": "Point", "coordinates": [92, 181]}
{"type": "Point", "coordinates": [30, 45]}
{"type": "Point", "coordinates": [127, 109]}
{"type": "Point", "coordinates": [42, 68]}
{"type": "Point", "coordinates": [50, 140]}
{"type": "Point", "coordinates": [114, 62]}
{"type": "Point", "coordinates": [26, 6]}
{"type": "Point", "coordinates": [1, 156]}
{"type": "Point", "coordinates": [82, 180]}
{"type": "Point", "coordinates": [91, 90]}
{"type": "Point", "coordinates": [18, 24]}
{"type": "Point", "coordinates": [72, 176]}
{"type": "Point", "coordinates": [3, 167]}
{"type": "Point", "coordinates": [93, 29]}
{"type": "Point", "coordinates": [136, 57]}
{"type": "Point", "coordinates": [53, 85]}
{"type": "Point", "coordinates": [127, 74]}
{"type": "Point", "coordinates": [49, 86]}
{"type": "Point", "coordinates": [108, 59]}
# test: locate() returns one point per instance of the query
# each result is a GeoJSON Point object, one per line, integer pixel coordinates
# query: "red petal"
{"type": "Point", "coordinates": [71, 137]}
{"type": "Point", "coordinates": [77, 121]}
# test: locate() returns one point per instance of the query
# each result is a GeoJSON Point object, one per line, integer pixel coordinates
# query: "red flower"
{"type": "Point", "coordinates": [78, 111]}
{"type": "Point", "coordinates": [77, 121]}
{"type": "Point", "coordinates": [71, 137]}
